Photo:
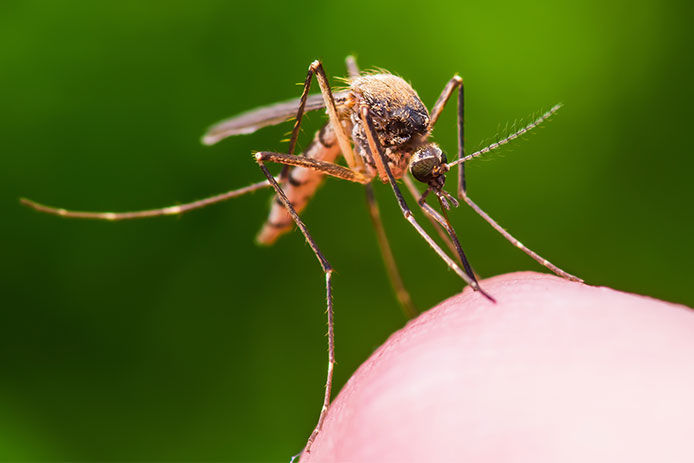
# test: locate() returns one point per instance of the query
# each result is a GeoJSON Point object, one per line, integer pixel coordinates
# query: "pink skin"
{"type": "Point", "coordinates": [554, 372]}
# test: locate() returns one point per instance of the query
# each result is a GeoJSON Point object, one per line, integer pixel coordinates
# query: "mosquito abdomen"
{"type": "Point", "coordinates": [300, 187]}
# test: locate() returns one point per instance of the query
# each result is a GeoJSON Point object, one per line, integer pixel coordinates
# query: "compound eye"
{"type": "Point", "coordinates": [422, 168]}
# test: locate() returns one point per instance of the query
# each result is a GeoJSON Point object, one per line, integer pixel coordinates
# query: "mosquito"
{"type": "Point", "coordinates": [381, 128]}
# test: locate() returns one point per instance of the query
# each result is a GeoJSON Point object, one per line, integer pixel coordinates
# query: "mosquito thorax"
{"type": "Point", "coordinates": [399, 116]}
{"type": "Point", "coordinates": [428, 165]}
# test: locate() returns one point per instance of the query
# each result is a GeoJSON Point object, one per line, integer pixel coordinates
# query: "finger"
{"type": "Point", "coordinates": [555, 371]}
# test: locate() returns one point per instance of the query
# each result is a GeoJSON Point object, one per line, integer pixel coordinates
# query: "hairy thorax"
{"type": "Point", "coordinates": [400, 118]}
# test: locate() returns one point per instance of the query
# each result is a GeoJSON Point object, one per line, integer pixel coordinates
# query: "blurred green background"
{"type": "Point", "coordinates": [178, 338]}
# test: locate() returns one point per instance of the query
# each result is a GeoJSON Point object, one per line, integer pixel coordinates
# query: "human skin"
{"type": "Point", "coordinates": [555, 371]}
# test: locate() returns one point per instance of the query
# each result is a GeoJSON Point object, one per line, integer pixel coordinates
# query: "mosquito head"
{"type": "Point", "coordinates": [428, 165]}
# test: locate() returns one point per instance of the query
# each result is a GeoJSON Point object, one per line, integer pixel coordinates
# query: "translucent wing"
{"type": "Point", "coordinates": [258, 118]}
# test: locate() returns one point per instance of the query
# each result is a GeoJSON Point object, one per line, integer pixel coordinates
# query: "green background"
{"type": "Point", "coordinates": [178, 338]}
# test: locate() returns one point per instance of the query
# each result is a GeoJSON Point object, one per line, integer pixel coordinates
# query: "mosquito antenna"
{"type": "Point", "coordinates": [513, 136]}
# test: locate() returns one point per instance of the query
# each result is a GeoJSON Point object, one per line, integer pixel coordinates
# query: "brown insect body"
{"type": "Point", "coordinates": [400, 118]}
{"type": "Point", "coordinates": [302, 184]}
{"type": "Point", "coordinates": [402, 125]}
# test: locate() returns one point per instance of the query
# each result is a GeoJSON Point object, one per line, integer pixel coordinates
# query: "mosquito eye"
{"type": "Point", "coordinates": [421, 169]}
{"type": "Point", "coordinates": [427, 163]}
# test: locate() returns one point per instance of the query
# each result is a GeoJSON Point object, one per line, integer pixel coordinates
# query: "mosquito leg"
{"type": "Point", "coordinates": [456, 82]}
{"type": "Point", "coordinates": [354, 162]}
{"type": "Point", "coordinates": [517, 243]}
{"type": "Point", "coordinates": [401, 293]}
{"type": "Point", "coordinates": [381, 163]}
{"type": "Point", "coordinates": [446, 224]}
{"type": "Point", "coordinates": [462, 188]}
{"type": "Point", "coordinates": [170, 210]}
{"type": "Point", "coordinates": [297, 123]}
{"type": "Point", "coordinates": [461, 139]}
{"type": "Point", "coordinates": [327, 270]}
{"type": "Point", "coordinates": [327, 168]}
{"type": "Point", "coordinates": [352, 68]}
{"type": "Point", "coordinates": [416, 194]}
{"type": "Point", "coordinates": [442, 223]}
{"type": "Point", "coordinates": [347, 174]}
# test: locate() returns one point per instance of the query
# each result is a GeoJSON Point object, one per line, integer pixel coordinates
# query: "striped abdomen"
{"type": "Point", "coordinates": [300, 187]}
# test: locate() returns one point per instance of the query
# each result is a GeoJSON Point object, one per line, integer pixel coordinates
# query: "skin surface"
{"type": "Point", "coordinates": [555, 371]}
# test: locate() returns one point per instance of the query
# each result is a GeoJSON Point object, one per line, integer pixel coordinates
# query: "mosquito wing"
{"type": "Point", "coordinates": [258, 118]}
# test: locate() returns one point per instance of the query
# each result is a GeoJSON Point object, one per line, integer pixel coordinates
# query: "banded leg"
{"type": "Point", "coordinates": [396, 282]}
{"type": "Point", "coordinates": [382, 165]}
{"type": "Point", "coordinates": [327, 270]}
{"type": "Point", "coordinates": [170, 210]}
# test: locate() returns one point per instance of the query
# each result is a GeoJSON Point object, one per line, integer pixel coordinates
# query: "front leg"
{"type": "Point", "coordinates": [462, 189]}
{"type": "Point", "coordinates": [456, 82]}
{"type": "Point", "coordinates": [382, 165]}
{"type": "Point", "coordinates": [354, 162]}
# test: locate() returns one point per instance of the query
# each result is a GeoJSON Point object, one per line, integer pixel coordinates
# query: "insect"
{"type": "Point", "coordinates": [381, 129]}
